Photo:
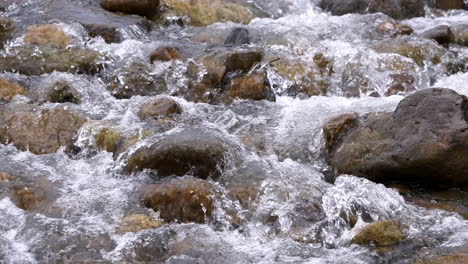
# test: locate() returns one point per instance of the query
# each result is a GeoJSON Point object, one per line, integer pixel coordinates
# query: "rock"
{"type": "Point", "coordinates": [401, 83]}
{"type": "Point", "coordinates": [29, 198]}
{"type": "Point", "coordinates": [442, 34]}
{"type": "Point", "coordinates": [246, 194]}
{"type": "Point", "coordinates": [181, 200]}
{"type": "Point", "coordinates": [28, 61]}
{"type": "Point", "coordinates": [206, 12]}
{"type": "Point", "coordinates": [136, 79]}
{"type": "Point", "coordinates": [237, 37]}
{"type": "Point", "coordinates": [218, 69]}
{"type": "Point", "coordinates": [420, 52]}
{"type": "Point", "coordinates": [8, 90]}
{"type": "Point", "coordinates": [425, 140]}
{"type": "Point", "coordinates": [108, 139]}
{"type": "Point", "coordinates": [137, 222]}
{"type": "Point", "coordinates": [449, 4]}
{"type": "Point", "coordinates": [380, 233]}
{"type": "Point", "coordinates": [398, 9]}
{"type": "Point", "coordinates": [63, 92]}
{"type": "Point", "coordinates": [146, 8]}
{"type": "Point", "coordinates": [387, 26]}
{"type": "Point", "coordinates": [47, 34]}
{"type": "Point", "coordinates": [165, 54]}
{"type": "Point", "coordinates": [337, 126]}
{"type": "Point", "coordinates": [452, 259]}
{"type": "Point", "coordinates": [7, 27]}
{"type": "Point", "coordinates": [404, 29]}
{"type": "Point", "coordinates": [5, 177]}
{"type": "Point", "coordinates": [39, 131]}
{"type": "Point", "coordinates": [191, 150]}
{"type": "Point", "coordinates": [461, 35]}
{"type": "Point", "coordinates": [161, 107]}
{"type": "Point", "coordinates": [110, 34]}
{"type": "Point", "coordinates": [252, 86]}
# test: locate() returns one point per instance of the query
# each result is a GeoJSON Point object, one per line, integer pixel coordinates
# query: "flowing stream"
{"type": "Point", "coordinates": [300, 215]}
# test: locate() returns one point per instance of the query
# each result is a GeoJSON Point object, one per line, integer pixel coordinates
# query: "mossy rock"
{"type": "Point", "coordinates": [29, 61]}
{"type": "Point", "coordinates": [381, 233]}
{"type": "Point", "coordinates": [206, 12]}
{"type": "Point", "coordinates": [138, 222]}
{"type": "Point", "coordinates": [63, 92]}
{"type": "Point", "coordinates": [108, 139]}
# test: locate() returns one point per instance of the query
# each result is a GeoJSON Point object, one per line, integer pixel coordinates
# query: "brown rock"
{"type": "Point", "coordinates": [8, 90]}
{"type": "Point", "coordinates": [404, 29]}
{"type": "Point", "coordinates": [401, 83]}
{"type": "Point", "coordinates": [387, 26]}
{"type": "Point", "coordinates": [138, 222]}
{"type": "Point", "coordinates": [39, 131]}
{"type": "Point", "coordinates": [63, 92]}
{"type": "Point", "coordinates": [246, 194]}
{"type": "Point", "coordinates": [206, 12]}
{"type": "Point", "coordinates": [165, 54]}
{"type": "Point", "coordinates": [47, 34]}
{"type": "Point", "coordinates": [334, 128]}
{"type": "Point", "coordinates": [253, 86]}
{"type": "Point", "coordinates": [449, 4]}
{"type": "Point", "coordinates": [161, 107]}
{"type": "Point", "coordinates": [381, 233]}
{"type": "Point", "coordinates": [181, 200]}
{"type": "Point", "coordinates": [29, 199]}
{"type": "Point", "coordinates": [5, 177]}
{"type": "Point", "coordinates": [146, 8]}
{"type": "Point", "coordinates": [453, 259]}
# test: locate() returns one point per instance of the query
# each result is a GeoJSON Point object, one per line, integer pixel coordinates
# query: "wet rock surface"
{"type": "Point", "coordinates": [147, 8]}
{"type": "Point", "coordinates": [400, 9]}
{"type": "Point", "coordinates": [382, 233]}
{"type": "Point", "coordinates": [39, 131]}
{"type": "Point", "coordinates": [416, 142]}
{"type": "Point", "coordinates": [181, 200]}
{"type": "Point", "coordinates": [163, 107]}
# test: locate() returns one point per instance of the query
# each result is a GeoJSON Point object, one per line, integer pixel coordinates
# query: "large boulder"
{"type": "Point", "coordinates": [146, 8]}
{"type": "Point", "coordinates": [198, 151]}
{"type": "Point", "coordinates": [425, 139]}
{"type": "Point", "coordinates": [450, 4]}
{"type": "Point", "coordinates": [398, 9]}
{"type": "Point", "coordinates": [39, 131]}
{"type": "Point", "coordinates": [29, 61]}
{"type": "Point", "coordinates": [206, 12]}
{"type": "Point", "coordinates": [181, 200]}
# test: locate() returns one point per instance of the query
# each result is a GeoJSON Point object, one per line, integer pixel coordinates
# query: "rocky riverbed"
{"type": "Point", "coordinates": [233, 131]}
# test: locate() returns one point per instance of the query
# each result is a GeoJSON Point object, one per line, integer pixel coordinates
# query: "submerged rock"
{"type": "Point", "coordinates": [47, 34]}
{"type": "Point", "coordinates": [398, 9]}
{"type": "Point", "coordinates": [137, 222]}
{"type": "Point", "coordinates": [63, 92]}
{"type": "Point", "coordinates": [5, 177]}
{"type": "Point", "coordinates": [425, 140]}
{"type": "Point", "coordinates": [136, 79]}
{"type": "Point", "coordinates": [237, 37]}
{"type": "Point", "coordinates": [197, 151]}
{"type": "Point", "coordinates": [39, 131]}
{"type": "Point", "coordinates": [7, 28]}
{"type": "Point", "coordinates": [110, 34]}
{"type": "Point", "coordinates": [181, 200]}
{"type": "Point", "coordinates": [8, 90]}
{"type": "Point", "coordinates": [29, 61]}
{"type": "Point", "coordinates": [381, 233]}
{"type": "Point", "coordinates": [146, 8]}
{"type": "Point", "coordinates": [420, 52]}
{"type": "Point", "coordinates": [165, 54]}
{"type": "Point", "coordinates": [206, 12]}
{"type": "Point", "coordinates": [161, 107]}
